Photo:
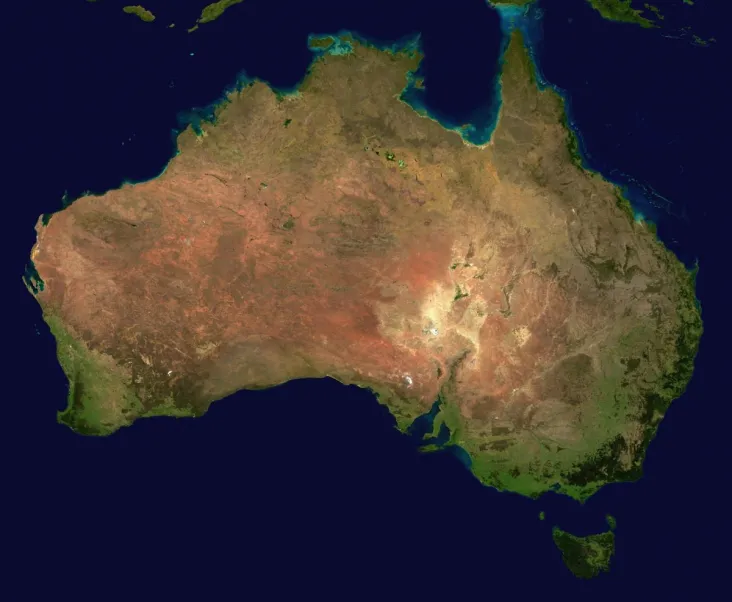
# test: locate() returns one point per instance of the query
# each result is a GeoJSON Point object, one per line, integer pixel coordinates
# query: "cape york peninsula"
{"type": "Point", "coordinates": [337, 232]}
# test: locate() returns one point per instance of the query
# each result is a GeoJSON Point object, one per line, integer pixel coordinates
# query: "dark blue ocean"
{"type": "Point", "coordinates": [307, 491]}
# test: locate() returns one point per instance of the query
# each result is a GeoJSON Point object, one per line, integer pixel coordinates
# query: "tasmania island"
{"type": "Point", "coordinates": [337, 232]}
{"type": "Point", "coordinates": [587, 556]}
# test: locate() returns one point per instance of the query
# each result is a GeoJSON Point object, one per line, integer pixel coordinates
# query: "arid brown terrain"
{"type": "Point", "coordinates": [337, 232]}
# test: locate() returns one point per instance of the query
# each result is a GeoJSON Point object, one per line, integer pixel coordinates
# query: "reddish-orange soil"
{"type": "Point", "coordinates": [368, 243]}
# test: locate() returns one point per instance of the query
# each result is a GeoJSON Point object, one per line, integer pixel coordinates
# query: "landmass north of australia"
{"type": "Point", "coordinates": [336, 231]}
{"type": "Point", "coordinates": [614, 10]}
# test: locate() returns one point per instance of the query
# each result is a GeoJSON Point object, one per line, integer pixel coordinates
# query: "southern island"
{"type": "Point", "coordinates": [338, 232]}
{"type": "Point", "coordinates": [586, 556]}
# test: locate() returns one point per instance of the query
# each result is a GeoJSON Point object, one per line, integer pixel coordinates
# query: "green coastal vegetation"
{"type": "Point", "coordinates": [213, 11]}
{"type": "Point", "coordinates": [102, 398]}
{"type": "Point", "coordinates": [612, 10]}
{"type": "Point", "coordinates": [621, 10]}
{"type": "Point", "coordinates": [572, 143]}
{"type": "Point", "coordinates": [587, 556]}
{"type": "Point", "coordinates": [655, 10]}
{"type": "Point", "coordinates": [99, 399]}
{"type": "Point", "coordinates": [320, 43]}
{"type": "Point", "coordinates": [624, 205]}
{"type": "Point", "coordinates": [701, 41]}
{"type": "Point", "coordinates": [141, 12]}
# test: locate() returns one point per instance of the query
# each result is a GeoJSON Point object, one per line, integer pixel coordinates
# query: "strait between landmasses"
{"type": "Point", "coordinates": [338, 232]}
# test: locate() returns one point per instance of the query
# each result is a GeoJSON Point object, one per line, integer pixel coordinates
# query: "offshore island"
{"type": "Point", "coordinates": [587, 556]}
{"type": "Point", "coordinates": [141, 12]}
{"type": "Point", "coordinates": [337, 232]}
{"type": "Point", "coordinates": [621, 11]}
